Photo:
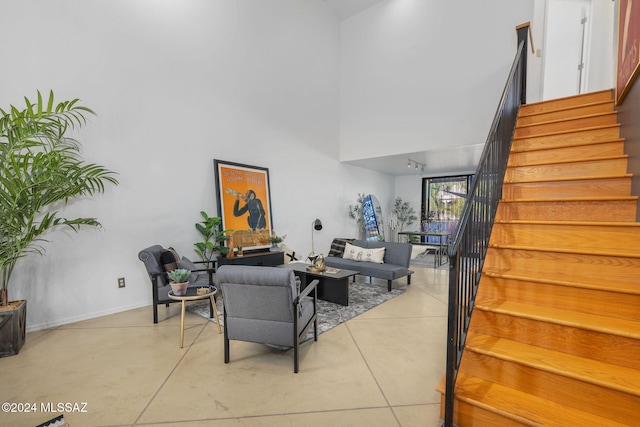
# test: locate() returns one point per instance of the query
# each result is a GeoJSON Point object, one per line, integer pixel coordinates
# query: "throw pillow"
{"type": "Point", "coordinates": [357, 253]}
{"type": "Point", "coordinates": [169, 259]}
{"type": "Point", "coordinates": [187, 264]}
{"type": "Point", "coordinates": [337, 246]}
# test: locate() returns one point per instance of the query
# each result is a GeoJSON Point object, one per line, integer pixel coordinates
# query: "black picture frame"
{"type": "Point", "coordinates": [244, 203]}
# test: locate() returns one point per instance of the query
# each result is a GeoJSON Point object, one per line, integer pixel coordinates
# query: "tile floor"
{"type": "Point", "coordinates": [378, 369]}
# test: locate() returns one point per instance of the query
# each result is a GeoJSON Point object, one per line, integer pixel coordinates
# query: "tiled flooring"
{"type": "Point", "coordinates": [378, 369]}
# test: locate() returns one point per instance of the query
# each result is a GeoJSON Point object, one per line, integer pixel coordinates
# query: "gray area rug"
{"type": "Point", "coordinates": [362, 297]}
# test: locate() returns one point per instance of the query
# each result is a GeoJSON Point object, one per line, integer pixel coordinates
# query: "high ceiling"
{"type": "Point", "coordinates": [437, 162]}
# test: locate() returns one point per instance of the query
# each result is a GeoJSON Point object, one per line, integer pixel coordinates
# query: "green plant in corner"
{"type": "Point", "coordinates": [355, 212]}
{"type": "Point", "coordinates": [210, 228]}
{"type": "Point", "coordinates": [405, 214]}
{"type": "Point", "coordinates": [40, 172]}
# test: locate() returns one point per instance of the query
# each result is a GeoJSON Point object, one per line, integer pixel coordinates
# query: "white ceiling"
{"type": "Point", "coordinates": [346, 8]}
{"type": "Point", "coordinates": [445, 161]}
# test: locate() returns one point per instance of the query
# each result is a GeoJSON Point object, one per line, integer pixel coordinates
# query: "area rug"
{"type": "Point", "coordinates": [362, 297]}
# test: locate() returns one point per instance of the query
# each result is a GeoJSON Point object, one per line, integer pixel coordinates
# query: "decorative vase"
{"type": "Point", "coordinates": [275, 247]}
{"type": "Point", "coordinates": [179, 289]}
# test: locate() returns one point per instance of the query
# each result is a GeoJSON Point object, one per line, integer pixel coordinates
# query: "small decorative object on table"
{"type": "Point", "coordinates": [275, 241]}
{"type": "Point", "coordinates": [203, 291]}
{"type": "Point", "coordinates": [178, 280]}
{"type": "Point", "coordinates": [318, 265]}
{"type": "Point", "coordinates": [239, 252]}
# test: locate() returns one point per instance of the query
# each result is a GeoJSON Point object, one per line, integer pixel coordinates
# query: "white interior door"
{"type": "Point", "coordinates": [565, 47]}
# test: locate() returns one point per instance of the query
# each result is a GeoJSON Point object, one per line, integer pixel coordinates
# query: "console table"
{"type": "Point", "coordinates": [438, 247]}
{"type": "Point", "coordinates": [262, 258]}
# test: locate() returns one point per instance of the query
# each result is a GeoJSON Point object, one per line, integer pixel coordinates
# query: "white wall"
{"type": "Point", "coordinates": [175, 85]}
{"type": "Point", "coordinates": [424, 74]}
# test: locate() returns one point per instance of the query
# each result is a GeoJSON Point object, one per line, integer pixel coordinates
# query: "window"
{"type": "Point", "coordinates": [442, 201]}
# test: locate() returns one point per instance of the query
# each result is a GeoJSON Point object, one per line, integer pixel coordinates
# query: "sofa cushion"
{"type": "Point", "coordinates": [169, 259]}
{"type": "Point", "coordinates": [337, 246]}
{"type": "Point", "coordinates": [357, 253]}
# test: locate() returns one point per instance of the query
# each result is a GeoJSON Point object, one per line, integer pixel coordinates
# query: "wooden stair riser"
{"type": "Point", "coordinates": [615, 304]}
{"type": "Point", "coordinates": [563, 139]}
{"type": "Point", "coordinates": [566, 102]}
{"type": "Point", "coordinates": [579, 169]}
{"type": "Point", "coordinates": [581, 268]}
{"type": "Point", "coordinates": [568, 113]}
{"type": "Point", "coordinates": [567, 154]}
{"type": "Point", "coordinates": [469, 414]}
{"type": "Point", "coordinates": [600, 187]}
{"type": "Point", "coordinates": [566, 125]}
{"type": "Point", "coordinates": [577, 341]}
{"type": "Point", "coordinates": [623, 210]}
{"type": "Point", "coordinates": [596, 238]}
{"type": "Point", "coordinates": [571, 392]}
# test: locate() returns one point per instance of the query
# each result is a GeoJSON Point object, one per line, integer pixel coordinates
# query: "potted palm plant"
{"type": "Point", "coordinates": [41, 170]}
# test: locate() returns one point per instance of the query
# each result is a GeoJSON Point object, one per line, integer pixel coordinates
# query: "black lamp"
{"type": "Point", "coordinates": [315, 225]}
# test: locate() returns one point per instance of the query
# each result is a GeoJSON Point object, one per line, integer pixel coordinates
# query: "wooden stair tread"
{"type": "Point", "coordinates": [566, 131]}
{"type": "Point", "coordinates": [568, 144]}
{"type": "Point", "coordinates": [523, 407]}
{"type": "Point", "coordinates": [565, 120]}
{"type": "Point", "coordinates": [525, 113]}
{"type": "Point", "coordinates": [615, 377]}
{"type": "Point", "coordinates": [635, 226]}
{"type": "Point", "coordinates": [565, 250]}
{"type": "Point", "coordinates": [571, 178]}
{"type": "Point", "coordinates": [606, 325]}
{"type": "Point", "coordinates": [630, 288]}
{"type": "Point", "coordinates": [573, 160]}
{"type": "Point", "coordinates": [573, 199]}
{"type": "Point", "coordinates": [599, 94]}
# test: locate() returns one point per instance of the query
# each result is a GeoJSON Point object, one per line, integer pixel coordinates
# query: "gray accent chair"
{"type": "Point", "coordinates": [151, 257]}
{"type": "Point", "coordinates": [265, 305]}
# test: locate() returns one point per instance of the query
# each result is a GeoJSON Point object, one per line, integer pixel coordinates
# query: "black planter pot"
{"type": "Point", "coordinates": [13, 324]}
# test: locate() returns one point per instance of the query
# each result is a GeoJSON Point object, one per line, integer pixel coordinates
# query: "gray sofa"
{"type": "Point", "coordinates": [397, 257]}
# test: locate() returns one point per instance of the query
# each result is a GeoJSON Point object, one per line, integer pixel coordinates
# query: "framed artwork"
{"type": "Point", "coordinates": [628, 62]}
{"type": "Point", "coordinates": [244, 204]}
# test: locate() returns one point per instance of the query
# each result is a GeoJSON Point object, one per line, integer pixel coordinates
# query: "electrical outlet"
{"type": "Point", "coordinates": [121, 282]}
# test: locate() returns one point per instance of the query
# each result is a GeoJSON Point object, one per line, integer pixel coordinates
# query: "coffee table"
{"type": "Point", "coordinates": [332, 287]}
{"type": "Point", "coordinates": [193, 295]}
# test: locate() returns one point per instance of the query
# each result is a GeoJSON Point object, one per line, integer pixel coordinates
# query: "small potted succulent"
{"type": "Point", "coordinates": [275, 241]}
{"type": "Point", "coordinates": [239, 251]}
{"type": "Point", "coordinates": [178, 280]}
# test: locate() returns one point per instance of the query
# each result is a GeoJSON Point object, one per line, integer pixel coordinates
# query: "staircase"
{"type": "Point", "coordinates": [554, 338]}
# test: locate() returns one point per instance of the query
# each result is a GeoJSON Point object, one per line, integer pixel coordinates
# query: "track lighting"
{"type": "Point", "coordinates": [416, 165]}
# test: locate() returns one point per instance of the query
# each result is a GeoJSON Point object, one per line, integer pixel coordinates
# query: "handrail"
{"type": "Point", "coordinates": [471, 239]}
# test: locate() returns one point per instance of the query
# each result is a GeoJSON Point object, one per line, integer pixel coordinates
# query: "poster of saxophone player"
{"type": "Point", "coordinates": [244, 203]}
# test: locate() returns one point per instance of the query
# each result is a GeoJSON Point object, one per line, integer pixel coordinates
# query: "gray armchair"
{"type": "Point", "coordinates": [263, 305]}
{"type": "Point", "coordinates": [152, 257]}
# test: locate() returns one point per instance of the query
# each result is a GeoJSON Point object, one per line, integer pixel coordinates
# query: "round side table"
{"type": "Point", "coordinates": [193, 295]}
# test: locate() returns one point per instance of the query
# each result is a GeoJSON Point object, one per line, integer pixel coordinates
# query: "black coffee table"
{"type": "Point", "coordinates": [332, 287]}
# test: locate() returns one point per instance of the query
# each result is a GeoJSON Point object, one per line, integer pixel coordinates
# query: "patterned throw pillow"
{"type": "Point", "coordinates": [357, 253]}
{"type": "Point", "coordinates": [337, 246]}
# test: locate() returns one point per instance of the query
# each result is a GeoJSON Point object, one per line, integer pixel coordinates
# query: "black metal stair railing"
{"type": "Point", "coordinates": [469, 245]}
